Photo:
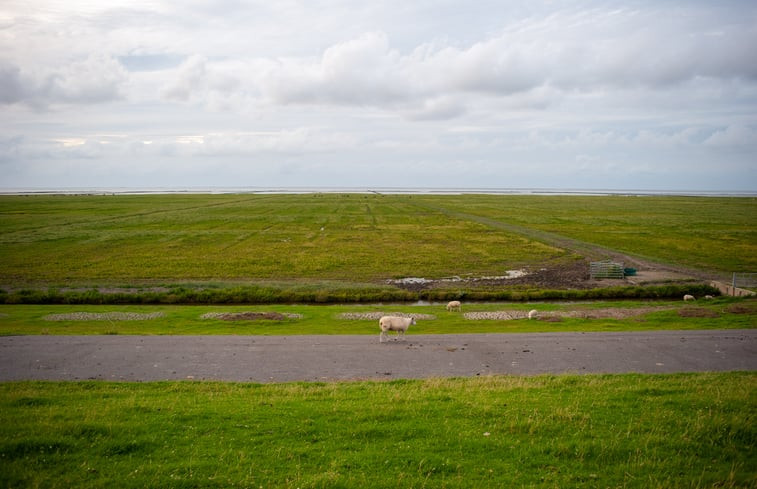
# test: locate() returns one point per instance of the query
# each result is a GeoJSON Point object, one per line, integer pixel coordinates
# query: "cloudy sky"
{"type": "Point", "coordinates": [657, 95]}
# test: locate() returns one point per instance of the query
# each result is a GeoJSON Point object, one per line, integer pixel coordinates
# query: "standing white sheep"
{"type": "Point", "coordinates": [394, 323]}
{"type": "Point", "coordinates": [688, 297]}
{"type": "Point", "coordinates": [454, 306]}
{"type": "Point", "coordinates": [533, 314]}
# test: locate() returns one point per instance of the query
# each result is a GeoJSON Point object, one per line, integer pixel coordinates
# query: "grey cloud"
{"type": "Point", "coordinates": [11, 84]}
{"type": "Point", "coordinates": [615, 49]}
{"type": "Point", "coordinates": [95, 79]}
{"type": "Point", "coordinates": [151, 62]}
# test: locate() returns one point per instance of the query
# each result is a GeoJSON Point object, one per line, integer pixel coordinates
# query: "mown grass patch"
{"type": "Point", "coordinates": [684, 430]}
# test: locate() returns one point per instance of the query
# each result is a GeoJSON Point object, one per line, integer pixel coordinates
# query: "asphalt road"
{"type": "Point", "coordinates": [326, 358]}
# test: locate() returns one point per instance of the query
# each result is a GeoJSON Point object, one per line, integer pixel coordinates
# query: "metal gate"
{"type": "Point", "coordinates": [606, 269]}
{"type": "Point", "coordinates": [745, 280]}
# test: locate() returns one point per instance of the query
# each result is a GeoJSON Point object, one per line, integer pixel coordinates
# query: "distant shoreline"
{"type": "Point", "coordinates": [369, 190]}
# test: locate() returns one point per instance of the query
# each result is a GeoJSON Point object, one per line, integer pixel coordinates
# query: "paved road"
{"type": "Point", "coordinates": [321, 358]}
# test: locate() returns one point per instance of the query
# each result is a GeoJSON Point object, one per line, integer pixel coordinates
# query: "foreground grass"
{"type": "Point", "coordinates": [721, 313]}
{"type": "Point", "coordinates": [646, 431]}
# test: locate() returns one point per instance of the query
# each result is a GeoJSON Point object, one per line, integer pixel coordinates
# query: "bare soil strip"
{"type": "Point", "coordinates": [606, 313]}
{"type": "Point", "coordinates": [250, 316]}
{"type": "Point", "coordinates": [104, 316]}
{"type": "Point", "coordinates": [375, 316]}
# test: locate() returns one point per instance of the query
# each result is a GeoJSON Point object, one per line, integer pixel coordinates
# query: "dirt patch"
{"type": "Point", "coordinates": [105, 316]}
{"type": "Point", "coordinates": [742, 308]}
{"type": "Point", "coordinates": [697, 312]}
{"type": "Point", "coordinates": [117, 290]}
{"type": "Point", "coordinates": [555, 276]}
{"type": "Point", "coordinates": [250, 316]}
{"type": "Point", "coordinates": [375, 316]}
{"type": "Point", "coordinates": [605, 313]}
{"type": "Point", "coordinates": [573, 275]}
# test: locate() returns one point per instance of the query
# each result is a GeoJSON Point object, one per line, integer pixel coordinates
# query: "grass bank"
{"type": "Point", "coordinates": [671, 431]}
{"type": "Point", "coordinates": [721, 313]}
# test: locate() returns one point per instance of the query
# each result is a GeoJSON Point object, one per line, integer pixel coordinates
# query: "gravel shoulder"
{"type": "Point", "coordinates": [332, 358]}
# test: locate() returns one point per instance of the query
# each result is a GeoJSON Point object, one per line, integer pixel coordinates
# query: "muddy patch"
{"type": "Point", "coordinates": [748, 308]}
{"type": "Point", "coordinates": [556, 276]}
{"type": "Point", "coordinates": [606, 313]}
{"type": "Point", "coordinates": [697, 312]}
{"type": "Point", "coordinates": [375, 316]}
{"type": "Point", "coordinates": [104, 316]}
{"type": "Point", "coordinates": [250, 316]}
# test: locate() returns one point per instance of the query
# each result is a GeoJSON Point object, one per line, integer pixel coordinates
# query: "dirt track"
{"type": "Point", "coordinates": [326, 358]}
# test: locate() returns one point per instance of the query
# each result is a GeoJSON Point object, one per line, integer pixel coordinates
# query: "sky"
{"type": "Point", "coordinates": [655, 95]}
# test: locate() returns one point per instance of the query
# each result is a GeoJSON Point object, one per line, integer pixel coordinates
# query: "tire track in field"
{"type": "Point", "coordinates": [588, 250]}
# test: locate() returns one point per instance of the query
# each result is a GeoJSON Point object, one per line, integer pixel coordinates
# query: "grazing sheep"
{"type": "Point", "coordinates": [454, 305]}
{"type": "Point", "coordinates": [533, 314]}
{"type": "Point", "coordinates": [688, 297]}
{"type": "Point", "coordinates": [708, 297]}
{"type": "Point", "coordinates": [394, 323]}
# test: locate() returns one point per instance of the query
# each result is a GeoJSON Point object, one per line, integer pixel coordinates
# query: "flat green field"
{"type": "Point", "coordinates": [717, 234]}
{"type": "Point", "coordinates": [133, 239]}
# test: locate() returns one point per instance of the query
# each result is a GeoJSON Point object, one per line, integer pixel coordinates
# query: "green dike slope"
{"type": "Point", "coordinates": [633, 431]}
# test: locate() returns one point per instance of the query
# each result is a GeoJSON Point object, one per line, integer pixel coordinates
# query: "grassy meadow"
{"type": "Point", "coordinates": [362, 238]}
{"type": "Point", "coordinates": [126, 240]}
{"type": "Point", "coordinates": [714, 234]}
{"type": "Point", "coordinates": [632, 431]}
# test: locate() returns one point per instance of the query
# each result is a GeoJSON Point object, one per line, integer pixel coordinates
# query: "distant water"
{"type": "Point", "coordinates": [366, 190]}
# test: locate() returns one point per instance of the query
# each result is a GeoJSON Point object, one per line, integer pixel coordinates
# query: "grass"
{"type": "Point", "coordinates": [59, 241]}
{"type": "Point", "coordinates": [136, 239]}
{"type": "Point", "coordinates": [684, 430]}
{"type": "Point", "coordinates": [645, 431]}
{"type": "Point", "coordinates": [716, 234]}
{"type": "Point", "coordinates": [722, 313]}
{"type": "Point", "coordinates": [335, 292]}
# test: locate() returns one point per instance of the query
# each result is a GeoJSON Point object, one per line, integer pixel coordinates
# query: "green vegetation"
{"type": "Point", "coordinates": [314, 258]}
{"type": "Point", "coordinates": [356, 240]}
{"type": "Point", "coordinates": [717, 234]}
{"type": "Point", "coordinates": [683, 430]}
{"type": "Point", "coordinates": [146, 239]}
{"type": "Point", "coordinates": [287, 293]}
{"type": "Point", "coordinates": [720, 313]}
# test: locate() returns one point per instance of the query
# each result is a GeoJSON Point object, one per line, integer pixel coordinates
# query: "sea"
{"type": "Point", "coordinates": [368, 190]}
